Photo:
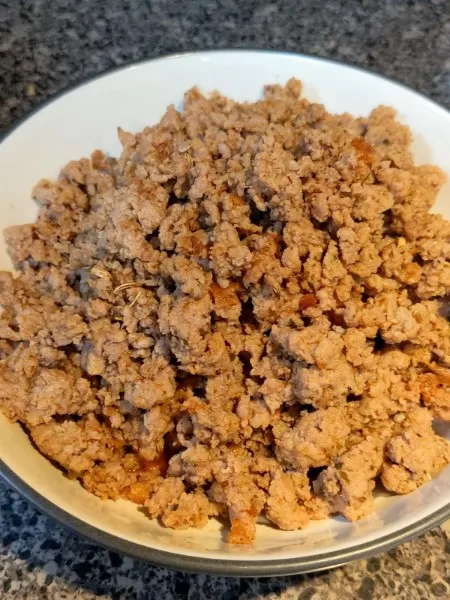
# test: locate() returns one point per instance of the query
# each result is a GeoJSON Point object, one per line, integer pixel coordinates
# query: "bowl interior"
{"type": "Point", "coordinates": [87, 118]}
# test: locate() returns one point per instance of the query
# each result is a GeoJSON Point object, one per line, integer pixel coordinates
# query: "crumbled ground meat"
{"type": "Point", "coordinates": [245, 314]}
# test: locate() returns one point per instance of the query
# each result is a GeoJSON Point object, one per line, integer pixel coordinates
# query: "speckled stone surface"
{"type": "Point", "coordinates": [46, 46]}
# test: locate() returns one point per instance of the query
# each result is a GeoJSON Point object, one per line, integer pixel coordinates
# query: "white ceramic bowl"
{"type": "Point", "coordinates": [86, 118]}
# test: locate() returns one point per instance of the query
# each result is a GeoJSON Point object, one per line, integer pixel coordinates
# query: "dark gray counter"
{"type": "Point", "coordinates": [46, 46]}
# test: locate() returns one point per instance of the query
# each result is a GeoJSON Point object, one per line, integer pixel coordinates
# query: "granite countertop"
{"type": "Point", "coordinates": [44, 47]}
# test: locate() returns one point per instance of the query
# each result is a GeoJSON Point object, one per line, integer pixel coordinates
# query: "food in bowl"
{"type": "Point", "coordinates": [245, 314]}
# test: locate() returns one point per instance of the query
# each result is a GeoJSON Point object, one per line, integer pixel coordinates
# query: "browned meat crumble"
{"type": "Point", "coordinates": [245, 314]}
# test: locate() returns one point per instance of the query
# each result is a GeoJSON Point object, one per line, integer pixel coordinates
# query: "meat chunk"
{"type": "Point", "coordinates": [414, 455]}
{"type": "Point", "coordinates": [314, 441]}
{"type": "Point", "coordinates": [155, 386]}
{"type": "Point", "coordinates": [178, 509]}
{"type": "Point", "coordinates": [244, 501]}
{"type": "Point", "coordinates": [283, 505]}
{"type": "Point", "coordinates": [347, 486]}
{"type": "Point", "coordinates": [45, 393]}
{"type": "Point", "coordinates": [436, 393]}
{"type": "Point", "coordinates": [129, 477]}
{"type": "Point", "coordinates": [75, 445]}
{"type": "Point", "coordinates": [229, 256]}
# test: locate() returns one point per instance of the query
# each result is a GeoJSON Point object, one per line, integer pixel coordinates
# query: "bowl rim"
{"type": "Point", "coordinates": [233, 567]}
{"type": "Point", "coordinates": [212, 566]}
